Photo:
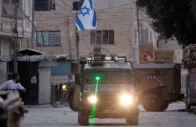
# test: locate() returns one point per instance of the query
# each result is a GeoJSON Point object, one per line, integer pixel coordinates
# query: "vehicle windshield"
{"type": "Point", "coordinates": [121, 77]}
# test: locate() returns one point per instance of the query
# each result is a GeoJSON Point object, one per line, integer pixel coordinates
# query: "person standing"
{"type": "Point", "coordinates": [13, 84]}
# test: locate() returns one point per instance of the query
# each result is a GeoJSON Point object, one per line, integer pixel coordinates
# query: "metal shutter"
{"type": "Point", "coordinates": [44, 85]}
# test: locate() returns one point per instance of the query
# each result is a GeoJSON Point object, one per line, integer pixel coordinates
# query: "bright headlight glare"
{"type": "Point", "coordinates": [64, 86]}
{"type": "Point", "coordinates": [92, 99]}
{"type": "Point", "coordinates": [126, 99]}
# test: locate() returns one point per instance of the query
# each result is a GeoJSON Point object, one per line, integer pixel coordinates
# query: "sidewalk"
{"type": "Point", "coordinates": [39, 106]}
{"type": "Point", "coordinates": [46, 106]}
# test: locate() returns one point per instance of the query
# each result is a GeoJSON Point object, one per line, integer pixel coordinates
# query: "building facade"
{"type": "Point", "coordinates": [117, 30]}
{"type": "Point", "coordinates": [56, 31]}
{"type": "Point", "coordinates": [7, 19]}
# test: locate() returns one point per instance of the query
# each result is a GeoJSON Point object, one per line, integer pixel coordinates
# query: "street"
{"type": "Point", "coordinates": [44, 116]}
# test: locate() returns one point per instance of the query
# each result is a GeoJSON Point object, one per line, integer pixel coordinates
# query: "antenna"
{"type": "Point", "coordinates": [97, 56]}
{"type": "Point", "coordinates": [97, 53]}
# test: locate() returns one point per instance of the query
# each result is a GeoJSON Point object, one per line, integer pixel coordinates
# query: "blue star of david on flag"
{"type": "Point", "coordinates": [84, 11]}
{"type": "Point", "coordinates": [87, 19]}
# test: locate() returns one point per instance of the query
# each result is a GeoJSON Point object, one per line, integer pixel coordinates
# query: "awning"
{"type": "Point", "coordinates": [30, 52]}
{"type": "Point", "coordinates": [38, 58]}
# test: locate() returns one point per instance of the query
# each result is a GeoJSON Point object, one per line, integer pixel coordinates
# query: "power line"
{"type": "Point", "coordinates": [97, 11]}
{"type": "Point", "coordinates": [104, 20]}
{"type": "Point", "coordinates": [64, 8]}
{"type": "Point", "coordinates": [84, 38]}
{"type": "Point", "coordinates": [55, 18]}
{"type": "Point", "coordinates": [67, 4]}
{"type": "Point", "coordinates": [117, 7]}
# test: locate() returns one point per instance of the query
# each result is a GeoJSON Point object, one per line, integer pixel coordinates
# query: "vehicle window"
{"type": "Point", "coordinates": [108, 77]}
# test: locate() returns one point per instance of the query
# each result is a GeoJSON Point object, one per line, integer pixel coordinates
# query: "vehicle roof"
{"type": "Point", "coordinates": [110, 65]}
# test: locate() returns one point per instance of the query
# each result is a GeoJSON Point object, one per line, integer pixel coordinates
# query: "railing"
{"type": "Point", "coordinates": [9, 11]}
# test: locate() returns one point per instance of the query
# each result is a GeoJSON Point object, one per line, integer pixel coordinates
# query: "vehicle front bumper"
{"type": "Point", "coordinates": [109, 111]}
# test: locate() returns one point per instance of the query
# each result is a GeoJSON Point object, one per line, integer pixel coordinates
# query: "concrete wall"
{"type": "Point", "coordinates": [6, 50]}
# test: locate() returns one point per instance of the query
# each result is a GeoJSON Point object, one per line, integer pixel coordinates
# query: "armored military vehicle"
{"type": "Point", "coordinates": [106, 90]}
{"type": "Point", "coordinates": [157, 85]}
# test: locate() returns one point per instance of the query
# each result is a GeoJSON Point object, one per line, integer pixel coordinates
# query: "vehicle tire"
{"type": "Point", "coordinates": [151, 103]}
{"type": "Point", "coordinates": [83, 120]}
{"type": "Point", "coordinates": [133, 120]}
{"type": "Point", "coordinates": [71, 104]}
{"type": "Point", "coordinates": [164, 106]}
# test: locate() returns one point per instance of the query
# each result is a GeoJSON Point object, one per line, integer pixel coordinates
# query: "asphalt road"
{"type": "Point", "coordinates": [64, 117]}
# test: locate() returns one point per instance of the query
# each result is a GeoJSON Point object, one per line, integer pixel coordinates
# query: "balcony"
{"type": "Point", "coordinates": [8, 10]}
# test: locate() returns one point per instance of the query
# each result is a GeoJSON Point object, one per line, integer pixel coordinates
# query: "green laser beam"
{"type": "Point", "coordinates": [96, 88]}
{"type": "Point", "coordinates": [93, 111]}
{"type": "Point", "coordinates": [97, 78]}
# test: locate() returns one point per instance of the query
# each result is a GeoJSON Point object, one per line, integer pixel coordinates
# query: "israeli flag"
{"type": "Point", "coordinates": [87, 16]}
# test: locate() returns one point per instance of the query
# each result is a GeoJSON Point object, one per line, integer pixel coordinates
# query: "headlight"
{"type": "Point", "coordinates": [64, 87]}
{"type": "Point", "coordinates": [92, 99]}
{"type": "Point", "coordinates": [126, 99]}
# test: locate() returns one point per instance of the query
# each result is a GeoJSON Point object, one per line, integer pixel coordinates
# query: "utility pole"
{"type": "Point", "coordinates": [32, 24]}
{"type": "Point", "coordinates": [16, 35]}
{"type": "Point", "coordinates": [69, 42]}
{"type": "Point", "coordinates": [138, 25]}
{"type": "Point", "coordinates": [138, 30]}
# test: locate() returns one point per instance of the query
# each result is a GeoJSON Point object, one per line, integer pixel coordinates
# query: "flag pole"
{"type": "Point", "coordinates": [77, 48]}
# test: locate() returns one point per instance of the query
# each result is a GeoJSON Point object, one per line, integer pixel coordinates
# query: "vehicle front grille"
{"type": "Point", "coordinates": [108, 100]}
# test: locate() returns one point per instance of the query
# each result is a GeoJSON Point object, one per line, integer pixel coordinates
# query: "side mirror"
{"type": "Point", "coordinates": [77, 79]}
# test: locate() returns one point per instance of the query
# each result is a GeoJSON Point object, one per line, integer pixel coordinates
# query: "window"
{"type": "Point", "coordinates": [43, 5]}
{"type": "Point", "coordinates": [48, 38]}
{"type": "Point", "coordinates": [108, 77]}
{"type": "Point", "coordinates": [102, 37]}
{"type": "Point", "coordinates": [144, 35]}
